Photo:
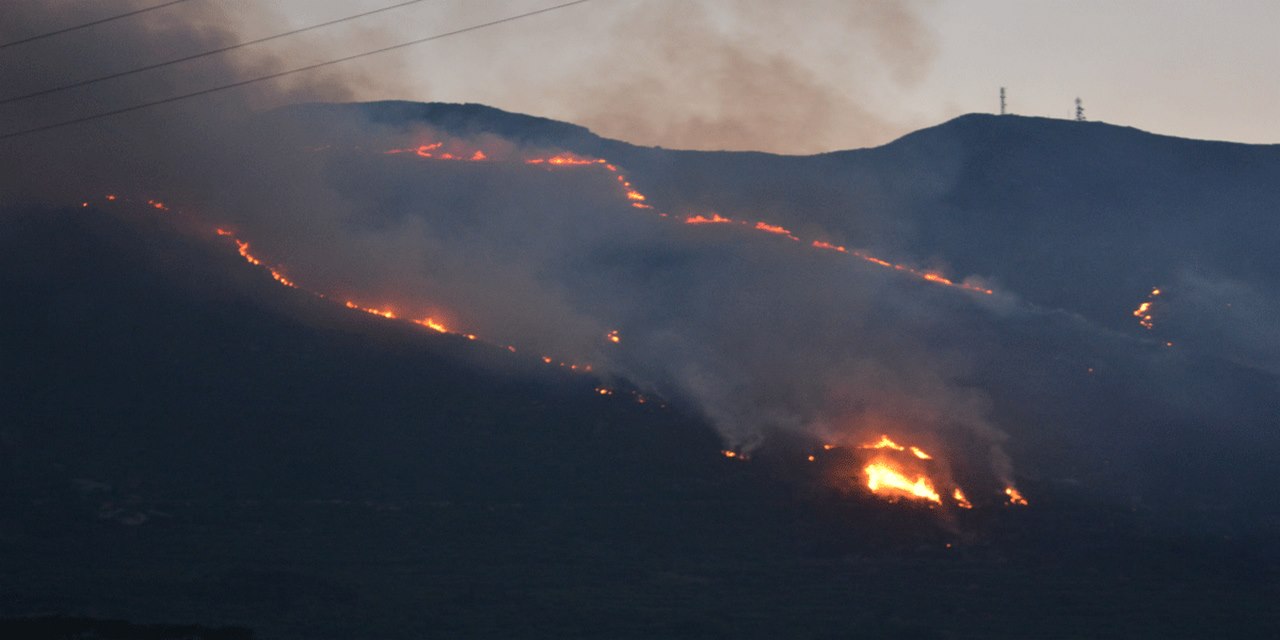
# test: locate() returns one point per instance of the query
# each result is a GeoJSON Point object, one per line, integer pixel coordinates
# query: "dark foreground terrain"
{"type": "Point", "coordinates": [187, 443]}
{"type": "Point", "coordinates": [190, 450]}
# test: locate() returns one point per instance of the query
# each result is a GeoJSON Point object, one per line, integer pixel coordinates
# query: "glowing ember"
{"type": "Point", "coordinates": [603, 391]}
{"type": "Point", "coordinates": [883, 479]}
{"type": "Point", "coordinates": [1015, 498]}
{"type": "Point", "coordinates": [729, 454]}
{"type": "Point", "coordinates": [613, 337]}
{"type": "Point", "coordinates": [961, 501]}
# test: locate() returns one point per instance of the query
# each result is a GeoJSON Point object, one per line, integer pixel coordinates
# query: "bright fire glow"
{"type": "Point", "coordinates": [432, 324]}
{"type": "Point", "coordinates": [714, 219]}
{"type": "Point", "coordinates": [639, 201]}
{"type": "Point", "coordinates": [1143, 312]}
{"type": "Point", "coordinates": [884, 479]}
{"type": "Point", "coordinates": [961, 501]}
{"type": "Point", "coordinates": [1015, 498]}
{"type": "Point", "coordinates": [884, 443]}
{"type": "Point", "coordinates": [772, 228]}
{"type": "Point", "coordinates": [385, 313]}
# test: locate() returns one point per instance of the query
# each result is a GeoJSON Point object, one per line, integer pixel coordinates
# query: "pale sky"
{"type": "Point", "coordinates": [816, 75]}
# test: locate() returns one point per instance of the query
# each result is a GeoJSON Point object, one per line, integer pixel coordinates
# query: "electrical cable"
{"type": "Point", "coordinates": [280, 74]}
{"type": "Point", "coordinates": [196, 56]}
{"type": "Point", "coordinates": [89, 24]}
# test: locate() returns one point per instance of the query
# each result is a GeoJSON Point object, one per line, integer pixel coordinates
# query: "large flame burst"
{"type": "Point", "coordinates": [895, 472]}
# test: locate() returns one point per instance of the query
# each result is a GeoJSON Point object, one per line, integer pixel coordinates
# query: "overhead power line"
{"type": "Point", "coordinates": [280, 74]}
{"type": "Point", "coordinates": [89, 24]}
{"type": "Point", "coordinates": [197, 56]}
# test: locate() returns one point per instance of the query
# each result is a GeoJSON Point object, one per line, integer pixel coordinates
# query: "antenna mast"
{"type": "Point", "coordinates": [1079, 111]}
{"type": "Point", "coordinates": [1002, 104]}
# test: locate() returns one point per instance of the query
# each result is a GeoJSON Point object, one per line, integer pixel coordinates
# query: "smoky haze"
{"type": "Point", "coordinates": [761, 335]}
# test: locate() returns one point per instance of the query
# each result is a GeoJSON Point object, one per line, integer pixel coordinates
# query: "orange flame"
{"type": "Point", "coordinates": [885, 480]}
{"type": "Point", "coordinates": [385, 313]}
{"type": "Point", "coordinates": [1015, 498]}
{"type": "Point", "coordinates": [772, 228]}
{"type": "Point", "coordinates": [432, 325]}
{"type": "Point", "coordinates": [1143, 312]}
{"type": "Point", "coordinates": [884, 443]}
{"type": "Point", "coordinates": [244, 253]}
{"type": "Point", "coordinates": [714, 219]}
{"type": "Point", "coordinates": [613, 337]}
{"type": "Point", "coordinates": [564, 160]}
{"type": "Point", "coordinates": [961, 501]}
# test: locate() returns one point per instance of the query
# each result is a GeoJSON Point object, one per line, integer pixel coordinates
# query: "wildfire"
{"type": "Point", "coordinates": [613, 337]}
{"type": "Point", "coordinates": [385, 313]}
{"type": "Point", "coordinates": [565, 160]}
{"type": "Point", "coordinates": [434, 152]}
{"type": "Point", "coordinates": [1015, 498]}
{"type": "Point", "coordinates": [433, 325]}
{"type": "Point", "coordinates": [244, 253]}
{"type": "Point", "coordinates": [897, 479]}
{"type": "Point", "coordinates": [639, 201]}
{"type": "Point", "coordinates": [886, 480]}
{"type": "Point", "coordinates": [885, 443]}
{"type": "Point", "coordinates": [714, 219]}
{"type": "Point", "coordinates": [775, 229]}
{"type": "Point", "coordinates": [961, 501]}
{"type": "Point", "coordinates": [1143, 312]}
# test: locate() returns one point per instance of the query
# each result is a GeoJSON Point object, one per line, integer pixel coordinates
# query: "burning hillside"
{"type": "Point", "coordinates": [912, 475]}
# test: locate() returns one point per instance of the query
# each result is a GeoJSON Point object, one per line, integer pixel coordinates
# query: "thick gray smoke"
{"type": "Point", "coordinates": [700, 76]}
